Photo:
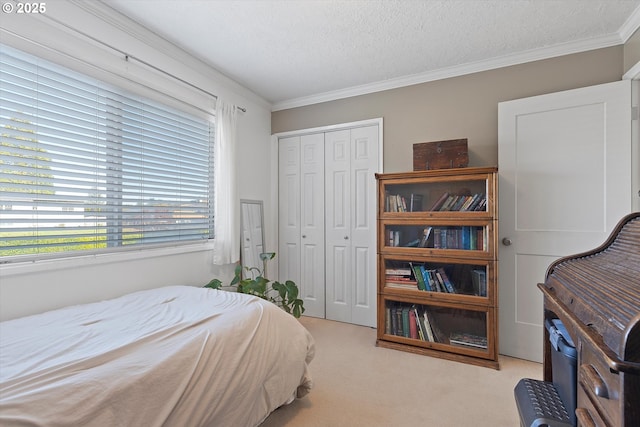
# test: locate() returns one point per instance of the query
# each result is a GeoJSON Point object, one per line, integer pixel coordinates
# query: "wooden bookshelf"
{"type": "Point", "coordinates": [437, 264]}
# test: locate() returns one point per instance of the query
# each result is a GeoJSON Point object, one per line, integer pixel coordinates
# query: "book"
{"type": "Point", "coordinates": [479, 281]}
{"type": "Point", "coordinates": [459, 202]}
{"type": "Point", "coordinates": [439, 202]}
{"type": "Point", "coordinates": [439, 281]}
{"type": "Point", "coordinates": [415, 203]}
{"type": "Point", "coordinates": [465, 236]}
{"type": "Point", "coordinates": [437, 238]}
{"type": "Point", "coordinates": [438, 336]}
{"type": "Point", "coordinates": [447, 283]}
{"type": "Point", "coordinates": [416, 316]}
{"type": "Point", "coordinates": [426, 279]}
{"type": "Point", "coordinates": [476, 201]}
{"type": "Point", "coordinates": [480, 238]}
{"type": "Point", "coordinates": [468, 202]}
{"type": "Point", "coordinates": [469, 340]}
{"type": "Point", "coordinates": [402, 284]}
{"type": "Point", "coordinates": [405, 321]}
{"type": "Point", "coordinates": [396, 278]}
{"type": "Point", "coordinates": [472, 202]}
{"type": "Point", "coordinates": [398, 271]}
{"type": "Point", "coordinates": [447, 203]}
{"type": "Point", "coordinates": [482, 205]}
{"type": "Point", "coordinates": [426, 236]}
{"type": "Point", "coordinates": [413, 325]}
{"type": "Point", "coordinates": [397, 321]}
{"type": "Point", "coordinates": [387, 320]}
{"type": "Point", "coordinates": [419, 278]}
{"type": "Point", "coordinates": [394, 238]}
{"type": "Point", "coordinates": [427, 326]}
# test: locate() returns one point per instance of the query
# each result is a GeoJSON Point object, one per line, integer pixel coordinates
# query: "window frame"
{"type": "Point", "coordinates": [126, 248]}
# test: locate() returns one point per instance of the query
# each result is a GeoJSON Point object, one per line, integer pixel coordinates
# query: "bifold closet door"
{"type": "Point", "coordinates": [351, 161]}
{"type": "Point", "coordinates": [301, 218]}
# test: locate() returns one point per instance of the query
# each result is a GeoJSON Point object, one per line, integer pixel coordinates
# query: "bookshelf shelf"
{"type": "Point", "coordinates": [437, 264]}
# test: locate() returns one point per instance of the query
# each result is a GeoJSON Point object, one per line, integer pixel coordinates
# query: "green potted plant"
{"type": "Point", "coordinates": [284, 295]}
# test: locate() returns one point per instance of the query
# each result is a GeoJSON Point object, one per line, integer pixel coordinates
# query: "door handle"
{"type": "Point", "coordinates": [506, 241]}
{"type": "Point", "coordinates": [346, 237]}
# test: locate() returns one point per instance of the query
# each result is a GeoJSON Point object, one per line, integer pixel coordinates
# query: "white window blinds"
{"type": "Point", "coordinates": [86, 166]}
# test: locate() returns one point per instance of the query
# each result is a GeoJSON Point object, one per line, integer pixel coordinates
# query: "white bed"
{"type": "Point", "coordinates": [174, 356]}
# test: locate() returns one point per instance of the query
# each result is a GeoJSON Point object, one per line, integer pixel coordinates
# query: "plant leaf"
{"type": "Point", "coordinates": [292, 290]}
{"type": "Point", "coordinates": [287, 292]}
{"type": "Point", "coordinates": [281, 289]}
{"type": "Point", "coordinates": [298, 308]}
{"type": "Point", "coordinates": [214, 284]}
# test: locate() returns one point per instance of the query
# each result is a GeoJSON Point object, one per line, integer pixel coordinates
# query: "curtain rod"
{"type": "Point", "coordinates": [127, 57]}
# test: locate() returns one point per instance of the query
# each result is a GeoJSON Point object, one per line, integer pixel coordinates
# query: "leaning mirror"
{"type": "Point", "coordinates": [251, 234]}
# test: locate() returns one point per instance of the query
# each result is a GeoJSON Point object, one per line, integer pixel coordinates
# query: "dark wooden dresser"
{"type": "Point", "coordinates": [596, 294]}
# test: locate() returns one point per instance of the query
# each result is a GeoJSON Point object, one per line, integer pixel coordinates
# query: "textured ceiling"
{"type": "Point", "coordinates": [299, 52]}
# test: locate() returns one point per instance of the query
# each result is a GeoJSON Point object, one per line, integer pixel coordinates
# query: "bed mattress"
{"type": "Point", "coordinates": [172, 356]}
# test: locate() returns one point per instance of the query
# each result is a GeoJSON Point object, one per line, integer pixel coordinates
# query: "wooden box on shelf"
{"type": "Point", "coordinates": [437, 264]}
{"type": "Point", "coordinates": [448, 154]}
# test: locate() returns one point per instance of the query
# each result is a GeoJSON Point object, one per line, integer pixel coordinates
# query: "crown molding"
{"type": "Point", "coordinates": [630, 26]}
{"type": "Point", "coordinates": [456, 71]}
{"type": "Point", "coordinates": [104, 12]}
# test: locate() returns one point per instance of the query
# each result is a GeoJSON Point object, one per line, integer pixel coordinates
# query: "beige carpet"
{"type": "Point", "coordinates": [359, 384]}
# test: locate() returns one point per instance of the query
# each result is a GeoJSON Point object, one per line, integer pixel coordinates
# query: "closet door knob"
{"type": "Point", "coordinates": [346, 237]}
{"type": "Point", "coordinates": [304, 236]}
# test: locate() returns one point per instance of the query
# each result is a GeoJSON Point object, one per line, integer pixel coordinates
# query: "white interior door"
{"type": "Point", "coordinates": [350, 216]}
{"type": "Point", "coordinates": [364, 165]}
{"type": "Point", "coordinates": [312, 265]}
{"type": "Point", "coordinates": [338, 225]}
{"type": "Point", "coordinates": [288, 255]}
{"type": "Point", "coordinates": [565, 181]}
{"type": "Point", "coordinates": [301, 218]}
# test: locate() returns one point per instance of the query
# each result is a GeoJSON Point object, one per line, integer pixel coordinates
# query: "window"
{"type": "Point", "coordinates": [85, 166]}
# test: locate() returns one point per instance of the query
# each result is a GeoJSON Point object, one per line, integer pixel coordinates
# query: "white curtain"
{"type": "Point", "coordinates": [227, 223]}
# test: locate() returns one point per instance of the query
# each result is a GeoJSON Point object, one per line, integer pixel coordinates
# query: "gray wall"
{"type": "Point", "coordinates": [459, 107]}
{"type": "Point", "coordinates": [632, 51]}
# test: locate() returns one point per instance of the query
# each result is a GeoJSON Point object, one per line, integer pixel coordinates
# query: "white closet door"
{"type": "Point", "coordinates": [338, 225]}
{"type": "Point", "coordinates": [364, 165]}
{"type": "Point", "coordinates": [312, 264]}
{"type": "Point", "coordinates": [289, 209]}
{"type": "Point", "coordinates": [351, 161]}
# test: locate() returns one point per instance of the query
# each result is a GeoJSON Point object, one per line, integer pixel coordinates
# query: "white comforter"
{"type": "Point", "coordinates": [175, 356]}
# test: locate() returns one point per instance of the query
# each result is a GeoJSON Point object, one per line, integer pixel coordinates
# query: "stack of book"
{"type": "Point", "coordinates": [464, 237]}
{"type": "Point", "coordinates": [400, 278]}
{"type": "Point", "coordinates": [468, 340]}
{"type": "Point", "coordinates": [460, 203]}
{"type": "Point", "coordinates": [399, 203]}
{"type": "Point", "coordinates": [433, 280]}
{"type": "Point", "coordinates": [411, 321]}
